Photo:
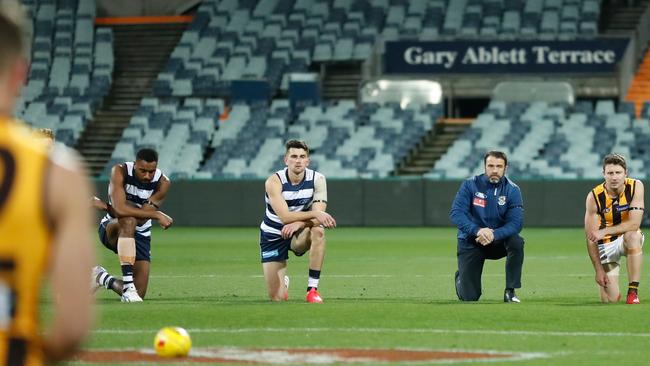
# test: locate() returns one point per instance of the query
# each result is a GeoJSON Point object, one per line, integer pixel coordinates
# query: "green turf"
{"type": "Point", "coordinates": [383, 288]}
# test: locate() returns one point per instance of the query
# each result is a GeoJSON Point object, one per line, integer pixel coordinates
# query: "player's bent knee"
{"type": "Point", "coordinates": [515, 242]}
{"type": "Point", "coordinates": [317, 237]}
{"type": "Point", "coordinates": [633, 242]}
{"type": "Point", "coordinates": [127, 223]}
{"type": "Point", "coordinates": [317, 232]}
{"type": "Point", "coordinates": [472, 297]}
{"type": "Point", "coordinates": [609, 298]}
{"type": "Point", "coordinates": [633, 238]}
{"type": "Point", "coordinates": [276, 297]}
{"type": "Point", "coordinates": [464, 295]}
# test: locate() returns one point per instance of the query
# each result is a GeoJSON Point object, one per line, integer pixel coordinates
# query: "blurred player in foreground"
{"type": "Point", "coordinates": [44, 226]}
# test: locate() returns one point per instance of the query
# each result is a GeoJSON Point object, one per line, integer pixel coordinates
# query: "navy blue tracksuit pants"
{"type": "Point", "coordinates": [472, 257]}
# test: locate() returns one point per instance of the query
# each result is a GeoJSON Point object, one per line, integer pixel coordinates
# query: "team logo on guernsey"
{"type": "Point", "coordinates": [606, 210]}
{"type": "Point", "coordinates": [502, 200]}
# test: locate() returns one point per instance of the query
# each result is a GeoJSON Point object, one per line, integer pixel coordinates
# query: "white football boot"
{"type": "Point", "coordinates": [286, 284]}
{"type": "Point", "coordinates": [131, 295]}
{"type": "Point", "coordinates": [94, 278]}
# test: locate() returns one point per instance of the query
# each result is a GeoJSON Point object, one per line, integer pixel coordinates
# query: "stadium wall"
{"type": "Point", "coordinates": [366, 202]}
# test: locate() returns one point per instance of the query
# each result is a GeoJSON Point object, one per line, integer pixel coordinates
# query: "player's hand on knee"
{"type": "Point", "coordinates": [601, 278]}
{"type": "Point", "coordinates": [595, 235]}
{"type": "Point", "coordinates": [99, 204]}
{"type": "Point", "coordinates": [485, 236]}
{"type": "Point", "coordinates": [325, 219]}
{"type": "Point", "coordinates": [290, 229]}
{"type": "Point", "coordinates": [164, 220]}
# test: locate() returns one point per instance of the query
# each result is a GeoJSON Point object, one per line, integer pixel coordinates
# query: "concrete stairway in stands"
{"type": "Point", "coordinates": [342, 81]}
{"type": "Point", "coordinates": [141, 51]}
{"type": "Point", "coordinates": [433, 146]}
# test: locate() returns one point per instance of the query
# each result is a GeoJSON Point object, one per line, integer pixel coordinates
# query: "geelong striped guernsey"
{"type": "Point", "coordinates": [298, 197]}
{"type": "Point", "coordinates": [137, 193]}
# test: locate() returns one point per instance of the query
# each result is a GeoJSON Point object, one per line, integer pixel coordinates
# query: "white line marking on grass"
{"type": "Point", "coordinates": [261, 276]}
{"type": "Point", "coordinates": [450, 275]}
{"type": "Point", "coordinates": [388, 330]}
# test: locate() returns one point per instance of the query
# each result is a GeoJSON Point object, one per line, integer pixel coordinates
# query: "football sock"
{"type": "Point", "coordinates": [314, 276]}
{"type": "Point", "coordinates": [127, 276]}
{"type": "Point", "coordinates": [633, 287]}
{"type": "Point", "coordinates": [106, 280]}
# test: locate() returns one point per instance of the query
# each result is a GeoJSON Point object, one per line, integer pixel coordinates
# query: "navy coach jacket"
{"type": "Point", "coordinates": [480, 204]}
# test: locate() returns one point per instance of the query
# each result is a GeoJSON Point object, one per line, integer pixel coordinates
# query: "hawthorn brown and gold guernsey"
{"type": "Point", "coordinates": [23, 165]}
{"type": "Point", "coordinates": [613, 210]}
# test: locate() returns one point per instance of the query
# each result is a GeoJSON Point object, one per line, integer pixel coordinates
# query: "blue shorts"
{"type": "Point", "coordinates": [142, 244]}
{"type": "Point", "coordinates": [273, 248]}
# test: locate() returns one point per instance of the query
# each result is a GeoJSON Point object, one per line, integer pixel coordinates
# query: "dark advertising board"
{"type": "Point", "coordinates": [457, 57]}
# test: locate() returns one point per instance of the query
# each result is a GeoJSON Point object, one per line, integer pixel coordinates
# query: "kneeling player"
{"type": "Point", "coordinates": [136, 191]}
{"type": "Point", "coordinates": [295, 218]}
{"type": "Point", "coordinates": [613, 214]}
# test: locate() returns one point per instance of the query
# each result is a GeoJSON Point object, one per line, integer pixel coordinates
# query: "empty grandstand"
{"type": "Point", "coordinates": [223, 98]}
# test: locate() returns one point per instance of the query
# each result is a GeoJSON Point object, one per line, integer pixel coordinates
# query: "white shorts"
{"type": "Point", "coordinates": [613, 251]}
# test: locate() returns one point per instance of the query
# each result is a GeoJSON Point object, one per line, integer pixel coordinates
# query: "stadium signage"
{"type": "Point", "coordinates": [600, 55]}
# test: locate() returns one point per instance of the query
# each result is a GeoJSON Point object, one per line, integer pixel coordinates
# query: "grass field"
{"type": "Point", "coordinates": [388, 288]}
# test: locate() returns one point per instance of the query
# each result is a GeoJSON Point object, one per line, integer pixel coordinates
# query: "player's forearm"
{"type": "Point", "coordinates": [130, 211]}
{"type": "Point", "coordinates": [592, 250]}
{"type": "Point", "coordinates": [311, 223]}
{"type": "Point", "coordinates": [111, 210]}
{"type": "Point", "coordinates": [622, 228]}
{"type": "Point", "coordinates": [291, 217]}
{"type": "Point", "coordinates": [514, 224]}
{"type": "Point", "coordinates": [463, 222]}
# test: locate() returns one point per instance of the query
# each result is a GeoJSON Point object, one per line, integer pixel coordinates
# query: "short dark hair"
{"type": "Point", "coordinates": [148, 155]}
{"type": "Point", "coordinates": [496, 154]}
{"type": "Point", "coordinates": [614, 159]}
{"type": "Point", "coordinates": [296, 144]}
{"type": "Point", "coordinates": [12, 44]}
{"type": "Point", "coordinates": [46, 132]}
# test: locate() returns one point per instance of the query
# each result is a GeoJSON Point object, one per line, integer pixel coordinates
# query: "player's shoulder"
{"type": "Point", "coordinates": [598, 188]}
{"type": "Point", "coordinates": [510, 183]}
{"type": "Point", "coordinates": [118, 169]}
{"type": "Point", "coordinates": [25, 139]}
{"type": "Point", "coordinates": [473, 181]}
{"type": "Point", "coordinates": [274, 178]}
{"type": "Point", "coordinates": [314, 174]}
{"type": "Point", "coordinates": [65, 157]}
{"type": "Point", "coordinates": [469, 184]}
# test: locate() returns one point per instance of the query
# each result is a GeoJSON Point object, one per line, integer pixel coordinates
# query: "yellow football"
{"type": "Point", "coordinates": [172, 342]}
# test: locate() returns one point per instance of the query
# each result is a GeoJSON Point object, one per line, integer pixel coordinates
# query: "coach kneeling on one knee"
{"type": "Point", "coordinates": [488, 211]}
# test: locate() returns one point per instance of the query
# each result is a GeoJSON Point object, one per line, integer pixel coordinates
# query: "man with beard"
{"type": "Point", "coordinates": [488, 211]}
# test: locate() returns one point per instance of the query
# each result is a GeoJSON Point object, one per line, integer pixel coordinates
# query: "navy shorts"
{"type": "Point", "coordinates": [274, 248]}
{"type": "Point", "coordinates": [142, 244]}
